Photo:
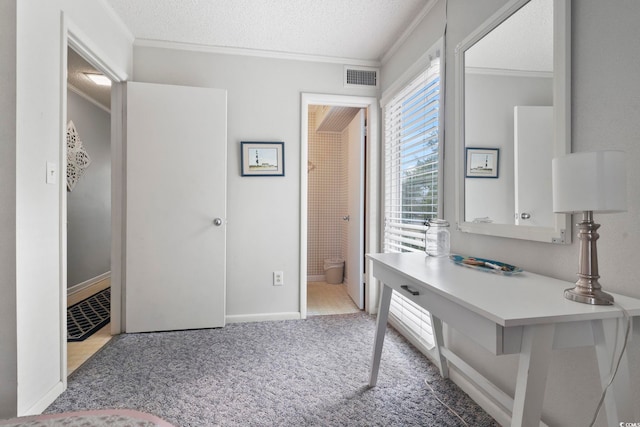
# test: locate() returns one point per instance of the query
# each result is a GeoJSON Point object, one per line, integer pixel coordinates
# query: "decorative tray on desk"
{"type": "Point", "coordinates": [488, 265]}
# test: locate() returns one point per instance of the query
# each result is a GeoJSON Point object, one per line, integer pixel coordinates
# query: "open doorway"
{"type": "Point", "coordinates": [335, 214]}
{"type": "Point", "coordinates": [338, 224]}
{"type": "Point", "coordinates": [88, 209]}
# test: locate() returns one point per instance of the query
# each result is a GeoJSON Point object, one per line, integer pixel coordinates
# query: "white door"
{"type": "Point", "coordinates": [355, 208]}
{"type": "Point", "coordinates": [533, 150]}
{"type": "Point", "coordinates": [175, 207]}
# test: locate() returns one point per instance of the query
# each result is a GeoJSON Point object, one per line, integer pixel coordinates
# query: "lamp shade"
{"type": "Point", "coordinates": [593, 181]}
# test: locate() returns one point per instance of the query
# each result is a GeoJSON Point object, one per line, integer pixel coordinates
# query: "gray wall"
{"type": "Point", "coordinates": [8, 359]}
{"type": "Point", "coordinates": [264, 98]}
{"type": "Point", "coordinates": [89, 204]}
{"type": "Point", "coordinates": [34, 39]}
{"type": "Point", "coordinates": [606, 106]}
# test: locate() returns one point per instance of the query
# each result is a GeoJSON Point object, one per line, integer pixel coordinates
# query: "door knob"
{"type": "Point", "coordinates": [346, 218]}
{"type": "Point", "coordinates": [525, 216]}
{"type": "Point", "coordinates": [217, 222]}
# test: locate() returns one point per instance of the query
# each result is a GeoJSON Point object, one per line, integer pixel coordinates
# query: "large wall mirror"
{"type": "Point", "coordinates": [512, 118]}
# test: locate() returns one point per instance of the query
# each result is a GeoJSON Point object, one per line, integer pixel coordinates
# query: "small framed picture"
{"type": "Point", "coordinates": [482, 162]}
{"type": "Point", "coordinates": [262, 158]}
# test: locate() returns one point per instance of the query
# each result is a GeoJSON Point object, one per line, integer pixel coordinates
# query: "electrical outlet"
{"type": "Point", "coordinates": [278, 278]}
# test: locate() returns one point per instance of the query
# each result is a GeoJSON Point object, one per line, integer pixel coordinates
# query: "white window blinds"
{"type": "Point", "coordinates": [411, 183]}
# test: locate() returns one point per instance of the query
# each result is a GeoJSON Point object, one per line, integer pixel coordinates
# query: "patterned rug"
{"type": "Point", "coordinates": [286, 373]}
{"type": "Point", "coordinates": [88, 316]}
{"type": "Point", "coordinates": [101, 418]}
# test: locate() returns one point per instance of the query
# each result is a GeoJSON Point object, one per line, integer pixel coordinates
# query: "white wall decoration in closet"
{"type": "Point", "coordinates": [77, 157]}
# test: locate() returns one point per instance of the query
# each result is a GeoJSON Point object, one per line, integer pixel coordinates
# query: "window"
{"type": "Point", "coordinates": [411, 191]}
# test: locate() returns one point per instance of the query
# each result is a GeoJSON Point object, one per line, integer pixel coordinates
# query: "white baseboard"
{"type": "Point", "coordinates": [316, 278]}
{"type": "Point", "coordinates": [243, 318]}
{"type": "Point", "coordinates": [88, 283]}
{"type": "Point", "coordinates": [44, 402]}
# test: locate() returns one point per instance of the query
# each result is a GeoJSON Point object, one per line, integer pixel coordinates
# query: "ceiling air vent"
{"type": "Point", "coordinates": [360, 76]}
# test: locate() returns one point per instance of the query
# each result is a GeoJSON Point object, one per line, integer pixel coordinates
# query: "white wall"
{"type": "Point", "coordinates": [264, 98]}
{"type": "Point", "coordinates": [606, 104]}
{"type": "Point", "coordinates": [89, 204]}
{"type": "Point", "coordinates": [35, 330]}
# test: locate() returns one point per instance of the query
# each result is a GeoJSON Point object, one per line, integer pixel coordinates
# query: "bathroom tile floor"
{"type": "Point", "coordinates": [324, 298]}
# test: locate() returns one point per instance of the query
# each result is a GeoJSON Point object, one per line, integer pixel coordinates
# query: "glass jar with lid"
{"type": "Point", "coordinates": [437, 238]}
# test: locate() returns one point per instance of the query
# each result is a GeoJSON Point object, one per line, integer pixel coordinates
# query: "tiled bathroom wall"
{"type": "Point", "coordinates": [326, 198]}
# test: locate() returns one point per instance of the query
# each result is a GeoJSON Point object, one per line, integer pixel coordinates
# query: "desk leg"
{"type": "Point", "coordinates": [437, 331]}
{"type": "Point", "coordinates": [618, 401]}
{"type": "Point", "coordinates": [535, 355]}
{"type": "Point", "coordinates": [381, 327]}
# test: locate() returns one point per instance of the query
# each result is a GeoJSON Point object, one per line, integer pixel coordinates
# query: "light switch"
{"type": "Point", "coordinates": [52, 173]}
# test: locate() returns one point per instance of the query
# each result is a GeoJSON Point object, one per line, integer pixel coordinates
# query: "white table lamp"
{"type": "Point", "coordinates": [589, 182]}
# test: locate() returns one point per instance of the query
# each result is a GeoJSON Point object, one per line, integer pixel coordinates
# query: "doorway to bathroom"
{"type": "Point", "coordinates": [335, 209]}
{"type": "Point", "coordinates": [363, 287]}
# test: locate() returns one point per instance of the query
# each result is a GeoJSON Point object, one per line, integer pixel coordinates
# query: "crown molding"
{"type": "Point", "coordinates": [87, 98]}
{"type": "Point", "coordinates": [407, 32]}
{"type": "Point", "coordinates": [253, 52]}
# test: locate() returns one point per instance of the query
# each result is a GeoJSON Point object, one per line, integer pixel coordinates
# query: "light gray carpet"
{"type": "Point", "coordinates": [310, 372]}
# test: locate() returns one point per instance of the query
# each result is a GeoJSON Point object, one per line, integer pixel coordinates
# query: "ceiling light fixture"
{"type": "Point", "coordinates": [99, 79]}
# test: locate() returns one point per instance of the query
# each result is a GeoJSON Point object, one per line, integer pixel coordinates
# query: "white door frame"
{"type": "Point", "coordinates": [372, 188]}
{"type": "Point", "coordinates": [72, 36]}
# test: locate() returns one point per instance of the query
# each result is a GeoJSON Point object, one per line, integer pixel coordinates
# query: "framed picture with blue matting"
{"type": "Point", "coordinates": [262, 158]}
{"type": "Point", "coordinates": [482, 162]}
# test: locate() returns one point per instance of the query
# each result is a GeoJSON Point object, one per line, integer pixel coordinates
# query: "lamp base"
{"type": "Point", "coordinates": [588, 296]}
{"type": "Point", "coordinates": [587, 289]}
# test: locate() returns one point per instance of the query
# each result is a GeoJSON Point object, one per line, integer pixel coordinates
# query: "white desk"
{"type": "Point", "coordinates": [522, 314]}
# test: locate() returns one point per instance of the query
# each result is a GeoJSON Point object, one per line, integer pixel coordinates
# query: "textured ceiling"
{"type": "Point", "coordinates": [348, 29]}
{"type": "Point", "coordinates": [355, 29]}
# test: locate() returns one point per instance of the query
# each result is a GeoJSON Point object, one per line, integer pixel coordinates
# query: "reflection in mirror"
{"type": "Point", "coordinates": [507, 71]}
{"type": "Point", "coordinates": [509, 101]}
